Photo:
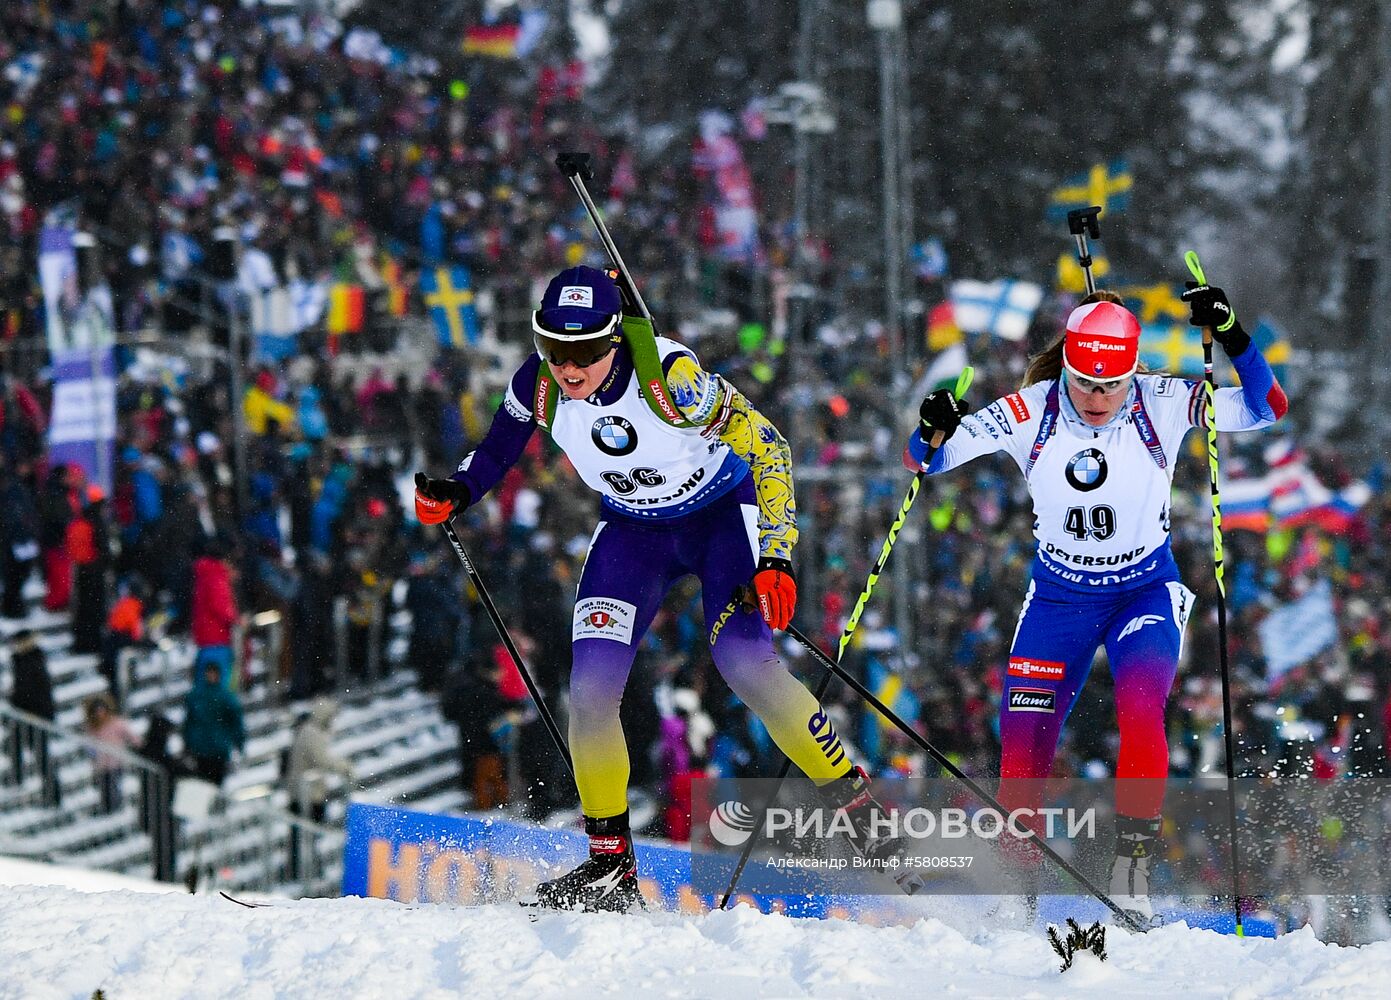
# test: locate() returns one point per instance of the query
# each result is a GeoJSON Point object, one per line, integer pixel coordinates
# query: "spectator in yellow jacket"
{"type": "Point", "coordinates": [260, 406]}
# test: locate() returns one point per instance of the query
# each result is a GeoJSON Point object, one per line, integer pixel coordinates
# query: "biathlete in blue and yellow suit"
{"type": "Point", "coordinates": [694, 480]}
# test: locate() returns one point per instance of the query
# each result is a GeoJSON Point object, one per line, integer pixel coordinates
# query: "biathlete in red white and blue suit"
{"type": "Point", "coordinates": [1096, 440]}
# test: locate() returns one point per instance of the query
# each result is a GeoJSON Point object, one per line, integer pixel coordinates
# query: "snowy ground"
{"type": "Point", "coordinates": [60, 943]}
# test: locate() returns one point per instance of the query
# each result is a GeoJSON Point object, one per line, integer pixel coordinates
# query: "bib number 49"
{"type": "Point", "coordinates": [1090, 522]}
{"type": "Point", "coordinates": [641, 476]}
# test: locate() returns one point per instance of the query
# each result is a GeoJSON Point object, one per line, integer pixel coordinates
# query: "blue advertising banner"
{"type": "Point", "coordinates": [416, 857]}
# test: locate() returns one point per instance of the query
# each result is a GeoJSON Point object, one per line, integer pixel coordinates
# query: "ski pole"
{"type": "Point", "coordinates": [963, 383]}
{"type": "Point", "coordinates": [575, 166]}
{"type": "Point", "coordinates": [1082, 222]}
{"type": "Point", "coordinates": [1210, 390]}
{"type": "Point", "coordinates": [512, 651]}
{"type": "Point", "coordinates": [835, 668]}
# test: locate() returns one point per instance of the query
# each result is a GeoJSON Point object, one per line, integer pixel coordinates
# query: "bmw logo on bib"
{"type": "Point", "coordinates": [614, 436]}
{"type": "Point", "coordinates": [1086, 470]}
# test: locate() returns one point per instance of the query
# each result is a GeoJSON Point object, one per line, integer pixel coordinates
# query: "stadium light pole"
{"type": "Point", "coordinates": [224, 272]}
{"type": "Point", "coordinates": [885, 18]}
{"type": "Point", "coordinates": [1381, 299]}
{"type": "Point", "coordinates": [802, 106]}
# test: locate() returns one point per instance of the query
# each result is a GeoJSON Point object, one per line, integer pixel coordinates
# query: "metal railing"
{"type": "Point", "coordinates": [57, 805]}
{"type": "Point", "coordinates": [249, 840]}
{"type": "Point", "coordinates": [68, 797]}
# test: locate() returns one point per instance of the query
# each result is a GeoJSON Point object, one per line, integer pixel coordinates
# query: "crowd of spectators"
{"type": "Point", "coordinates": [155, 123]}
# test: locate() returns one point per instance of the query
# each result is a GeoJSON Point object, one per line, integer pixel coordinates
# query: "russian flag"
{"type": "Point", "coordinates": [1291, 496]}
{"type": "Point", "coordinates": [1318, 506]}
{"type": "Point", "coordinates": [1246, 505]}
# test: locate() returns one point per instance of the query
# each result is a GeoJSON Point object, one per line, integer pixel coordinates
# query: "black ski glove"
{"type": "Point", "coordinates": [1208, 306]}
{"type": "Point", "coordinates": [941, 412]}
{"type": "Point", "coordinates": [450, 490]}
{"type": "Point", "coordinates": [436, 499]}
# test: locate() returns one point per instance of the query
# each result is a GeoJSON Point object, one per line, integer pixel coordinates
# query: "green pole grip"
{"type": "Point", "coordinates": [1196, 269]}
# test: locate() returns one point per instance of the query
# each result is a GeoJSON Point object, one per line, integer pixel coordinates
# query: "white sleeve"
{"type": "Point", "coordinates": [1009, 424]}
{"type": "Point", "coordinates": [1234, 411]}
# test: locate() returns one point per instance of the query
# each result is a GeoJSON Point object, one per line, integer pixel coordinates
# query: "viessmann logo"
{"type": "Point", "coordinates": [1044, 670]}
{"type": "Point", "coordinates": [1101, 345]}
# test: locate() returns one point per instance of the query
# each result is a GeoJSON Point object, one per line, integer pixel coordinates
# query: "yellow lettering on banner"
{"type": "Point", "coordinates": [688, 901]}
{"type": "Point", "coordinates": [384, 871]}
{"type": "Point", "coordinates": [651, 891]}
{"type": "Point", "coordinates": [452, 877]}
{"type": "Point", "coordinates": [510, 876]}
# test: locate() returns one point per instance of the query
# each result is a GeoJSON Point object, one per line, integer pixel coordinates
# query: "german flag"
{"type": "Point", "coordinates": [346, 308]}
{"type": "Point", "coordinates": [496, 41]}
{"type": "Point", "coordinates": [397, 294]}
{"type": "Point", "coordinates": [942, 330]}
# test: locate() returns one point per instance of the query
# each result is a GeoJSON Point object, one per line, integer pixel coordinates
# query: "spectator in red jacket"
{"type": "Point", "coordinates": [58, 507]}
{"type": "Point", "coordinates": [214, 611]}
{"type": "Point", "coordinates": [90, 551]}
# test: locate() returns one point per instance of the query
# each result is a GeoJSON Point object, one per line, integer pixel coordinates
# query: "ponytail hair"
{"type": "Point", "coordinates": [1048, 363]}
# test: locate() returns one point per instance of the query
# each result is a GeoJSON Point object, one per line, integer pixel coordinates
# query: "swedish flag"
{"type": "Point", "coordinates": [449, 295]}
{"type": "Point", "coordinates": [1105, 184]}
{"type": "Point", "coordinates": [1176, 348]}
{"type": "Point", "coordinates": [1070, 276]}
{"type": "Point", "coordinates": [1155, 304]}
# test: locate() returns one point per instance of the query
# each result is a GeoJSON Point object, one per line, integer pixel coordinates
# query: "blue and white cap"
{"type": "Point", "coordinates": [580, 303]}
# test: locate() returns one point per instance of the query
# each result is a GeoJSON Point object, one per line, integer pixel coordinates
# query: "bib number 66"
{"type": "Point", "coordinates": [641, 476]}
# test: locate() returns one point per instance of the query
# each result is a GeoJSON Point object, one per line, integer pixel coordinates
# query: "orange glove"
{"type": "Point", "coordinates": [435, 498]}
{"type": "Point", "coordinates": [776, 588]}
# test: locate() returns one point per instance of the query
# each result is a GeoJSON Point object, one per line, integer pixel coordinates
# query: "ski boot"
{"type": "Point", "coordinates": [1137, 841]}
{"type": "Point", "coordinates": [607, 881]}
{"type": "Point", "coordinates": [873, 841]}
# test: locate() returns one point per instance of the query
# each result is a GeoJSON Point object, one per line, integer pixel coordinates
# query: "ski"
{"type": "Point", "coordinates": [242, 902]}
